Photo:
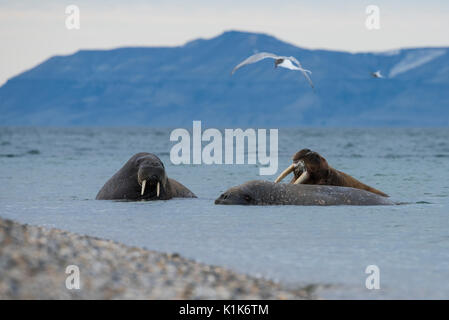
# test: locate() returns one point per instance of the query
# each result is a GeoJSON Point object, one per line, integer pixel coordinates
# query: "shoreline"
{"type": "Point", "coordinates": [33, 262]}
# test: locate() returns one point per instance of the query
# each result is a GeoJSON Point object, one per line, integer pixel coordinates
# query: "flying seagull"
{"type": "Point", "coordinates": [284, 62]}
{"type": "Point", "coordinates": [376, 74]}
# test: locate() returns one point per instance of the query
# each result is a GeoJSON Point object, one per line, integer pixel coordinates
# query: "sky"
{"type": "Point", "coordinates": [32, 31]}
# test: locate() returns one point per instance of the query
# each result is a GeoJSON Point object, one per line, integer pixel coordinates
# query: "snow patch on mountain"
{"type": "Point", "coordinates": [415, 59]}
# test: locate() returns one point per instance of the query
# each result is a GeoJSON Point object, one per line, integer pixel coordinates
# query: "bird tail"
{"type": "Point", "coordinates": [305, 70]}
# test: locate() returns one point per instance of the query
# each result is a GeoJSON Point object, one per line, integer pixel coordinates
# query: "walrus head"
{"type": "Point", "coordinates": [306, 164]}
{"type": "Point", "coordinates": [151, 176]}
{"type": "Point", "coordinates": [246, 194]}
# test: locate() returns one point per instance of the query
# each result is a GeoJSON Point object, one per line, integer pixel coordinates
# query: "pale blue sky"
{"type": "Point", "coordinates": [31, 31]}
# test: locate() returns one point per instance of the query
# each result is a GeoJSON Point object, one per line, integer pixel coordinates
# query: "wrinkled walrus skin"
{"type": "Point", "coordinates": [143, 173]}
{"type": "Point", "coordinates": [261, 193]}
{"type": "Point", "coordinates": [310, 167]}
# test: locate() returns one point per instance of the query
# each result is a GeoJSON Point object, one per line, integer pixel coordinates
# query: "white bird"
{"type": "Point", "coordinates": [376, 74]}
{"type": "Point", "coordinates": [284, 62]}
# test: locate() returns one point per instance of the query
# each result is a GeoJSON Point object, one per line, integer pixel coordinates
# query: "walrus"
{"type": "Point", "coordinates": [310, 167]}
{"type": "Point", "coordinates": [258, 192]}
{"type": "Point", "coordinates": [143, 177]}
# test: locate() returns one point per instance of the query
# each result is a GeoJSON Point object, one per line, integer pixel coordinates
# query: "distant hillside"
{"type": "Point", "coordinates": [171, 86]}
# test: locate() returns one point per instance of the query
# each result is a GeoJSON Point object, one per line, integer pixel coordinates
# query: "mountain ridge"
{"type": "Point", "coordinates": [172, 86]}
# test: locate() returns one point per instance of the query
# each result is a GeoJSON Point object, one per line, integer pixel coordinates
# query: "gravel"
{"type": "Point", "coordinates": [33, 262]}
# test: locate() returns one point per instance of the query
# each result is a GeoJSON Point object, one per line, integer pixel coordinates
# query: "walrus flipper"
{"type": "Point", "coordinates": [178, 190]}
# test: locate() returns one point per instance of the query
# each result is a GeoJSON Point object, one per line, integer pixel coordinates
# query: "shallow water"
{"type": "Point", "coordinates": [50, 176]}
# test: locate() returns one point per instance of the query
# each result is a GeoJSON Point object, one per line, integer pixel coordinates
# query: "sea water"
{"type": "Point", "coordinates": [50, 177]}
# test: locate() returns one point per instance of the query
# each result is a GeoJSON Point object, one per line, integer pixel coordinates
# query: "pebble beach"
{"type": "Point", "coordinates": [33, 262]}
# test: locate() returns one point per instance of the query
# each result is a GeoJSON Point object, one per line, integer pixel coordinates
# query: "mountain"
{"type": "Point", "coordinates": [171, 86]}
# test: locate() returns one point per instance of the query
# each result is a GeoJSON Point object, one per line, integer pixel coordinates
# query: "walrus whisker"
{"type": "Point", "coordinates": [285, 173]}
{"type": "Point", "coordinates": [144, 182]}
{"type": "Point", "coordinates": [300, 164]}
{"type": "Point", "coordinates": [302, 178]}
{"type": "Point", "coordinates": [158, 188]}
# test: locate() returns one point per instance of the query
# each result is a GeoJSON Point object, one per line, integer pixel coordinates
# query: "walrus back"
{"type": "Point", "coordinates": [348, 181]}
{"type": "Point", "coordinates": [178, 190]}
{"type": "Point", "coordinates": [112, 189]}
{"type": "Point", "coordinates": [326, 195]}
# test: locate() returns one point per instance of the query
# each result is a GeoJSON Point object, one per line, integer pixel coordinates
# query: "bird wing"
{"type": "Point", "coordinates": [300, 68]}
{"type": "Point", "coordinates": [263, 55]}
{"type": "Point", "coordinates": [255, 58]}
{"type": "Point", "coordinates": [293, 59]}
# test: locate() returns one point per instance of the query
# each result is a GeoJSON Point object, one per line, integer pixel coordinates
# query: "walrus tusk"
{"type": "Point", "coordinates": [302, 178]}
{"type": "Point", "coordinates": [144, 182]}
{"type": "Point", "coordinates": [285, 172]}
{"type": "Point", "coordinates": [158, 188]}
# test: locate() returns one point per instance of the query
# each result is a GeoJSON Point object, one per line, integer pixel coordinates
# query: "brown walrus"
{"type": "Point", "coordinates": [309, 167]}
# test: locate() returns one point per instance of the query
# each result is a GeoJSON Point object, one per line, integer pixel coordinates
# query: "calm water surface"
{"type": "Point", "coordinates": [50, 177]}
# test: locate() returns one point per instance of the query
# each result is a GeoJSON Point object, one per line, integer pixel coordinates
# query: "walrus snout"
{"type": "Point", "coordinates": [150, 173]}
{"type": "Point", "coordinates": [151, 179]}
{"type": "Point", "coordinates": [229, 199]}
{"type": "Point", "coordinates": [235, 197]}
{"type": "Point", "coordinates": [299, 170]}
{"type": "Point", "coordinates": [221, 199]}
{"type": "Point", "coordinates": [305, 163]}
